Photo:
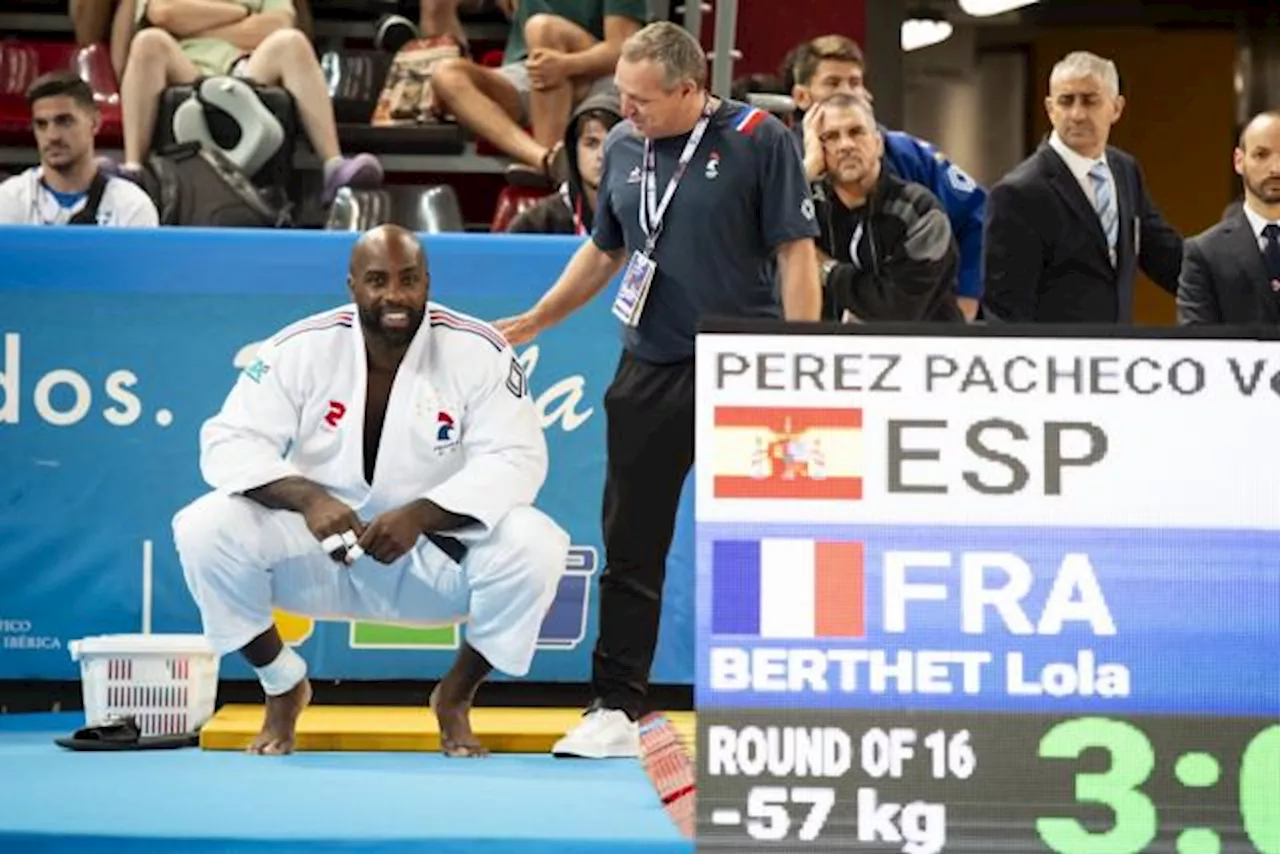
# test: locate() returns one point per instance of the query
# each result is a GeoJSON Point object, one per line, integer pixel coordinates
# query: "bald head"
{"type": "Point", "coordinates": [389, 283]}
{"type": "Point", "coordinates": [1263, 124]}
{"type": "Point", "coordinates": [378, 244]}
{"type": "Point", "coordinates": [1257, 161]}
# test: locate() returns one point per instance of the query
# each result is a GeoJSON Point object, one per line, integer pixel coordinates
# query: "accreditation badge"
{"type": "Point", "coordinates": [634, 291]}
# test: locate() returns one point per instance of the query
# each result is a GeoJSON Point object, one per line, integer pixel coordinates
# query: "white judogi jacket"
{"type": "Point", "coordinates": [460, 430]}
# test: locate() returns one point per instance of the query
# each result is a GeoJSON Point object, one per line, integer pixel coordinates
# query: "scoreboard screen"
{"type": "Point", "coordinates": [978, 592]}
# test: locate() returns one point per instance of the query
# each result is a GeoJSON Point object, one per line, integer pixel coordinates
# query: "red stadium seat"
{"type": "Point", "coordinates": [512, 201]}
{"type": "Point", "coordinates": [19, 66]}
{"type": "Point", "coordinates": [21, 62]}
{"type": "Point", "coordinates": [94, 65]}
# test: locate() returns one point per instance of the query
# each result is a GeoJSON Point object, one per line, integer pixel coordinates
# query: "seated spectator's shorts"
{"type": "Point", "coordinates": [518, 74]}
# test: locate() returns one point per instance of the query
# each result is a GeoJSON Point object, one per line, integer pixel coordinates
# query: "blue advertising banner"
{"type": "Point", "coordinates": [115, 345]}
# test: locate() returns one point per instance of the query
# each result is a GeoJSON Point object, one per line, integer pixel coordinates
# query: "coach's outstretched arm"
{"type": "Point", "coordinates": [586, 274]}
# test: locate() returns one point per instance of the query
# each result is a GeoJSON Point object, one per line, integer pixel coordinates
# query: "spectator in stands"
{"type": "Point", "coordinates": [558, 53]}
{"type": "Point", "coordinates": [734, 238]}
{"type": "Point", "coordinates": [90, 19]}
{"type": "Point", "coordinates": [571, 210]}
{"type": "Point", "coordinates": [1231, 272]}
{"type": "Point", "coordinates": [440, 18]}
{"type": "Point", "coordinates": [183, 40]}
{"type": "Point", "coordinates": [67, 187]}
{"type": "Point", "coordinates": [886, 249]}
{"type": "Point", "coordinates": [1069, 227]}
{"type": "Point", "coordinates": [833, 64]}
{"type": "Point", "coordinates": [95, 22]}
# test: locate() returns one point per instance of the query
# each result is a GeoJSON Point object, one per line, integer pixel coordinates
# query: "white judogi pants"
{"type": "Point", "coordinates": [241, 559]}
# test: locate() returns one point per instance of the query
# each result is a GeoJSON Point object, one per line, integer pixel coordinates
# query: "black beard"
{"type": "Point", "coordinates": [1265, 195]}
{"type": "Point", "coordinates": [371, 323]}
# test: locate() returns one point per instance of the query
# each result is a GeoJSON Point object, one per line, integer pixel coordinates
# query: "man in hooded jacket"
{"type": "Point", "coordinates": [887, 252]}
{"type": "Point", "coordinates": [571, 209]}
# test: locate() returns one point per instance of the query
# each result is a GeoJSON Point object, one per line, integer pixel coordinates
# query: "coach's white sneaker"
{"type": "Point", "coordinates": [602, 734]}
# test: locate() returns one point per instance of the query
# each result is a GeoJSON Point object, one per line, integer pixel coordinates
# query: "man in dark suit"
{"type": "Point", "coordinates": [1068, 228]}
{"type": "Point", "coordinates": [1231, 272]}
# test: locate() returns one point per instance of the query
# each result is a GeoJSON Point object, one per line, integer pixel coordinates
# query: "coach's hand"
{"type": "Point", "coordinates": [390, 536]}
{"type": "Point", "coordinates": [520, 329]}
{"type": "Point", "coordinates": [327, 517]}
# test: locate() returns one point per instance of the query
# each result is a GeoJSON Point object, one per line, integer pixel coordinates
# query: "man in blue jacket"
{"type": "Point", "coordinates": [827, 65]}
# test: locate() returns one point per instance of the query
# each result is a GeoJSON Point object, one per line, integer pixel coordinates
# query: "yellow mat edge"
{"type": "Point", "coordinates": [233, 727]}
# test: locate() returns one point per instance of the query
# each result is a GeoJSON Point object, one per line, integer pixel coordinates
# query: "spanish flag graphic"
{"type": "Point", "coordinates": [788, 453]}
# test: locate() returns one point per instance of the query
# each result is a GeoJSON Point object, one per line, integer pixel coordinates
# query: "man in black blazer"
{"type": "Point", "coordinates": [1231, 272]}
{"type": "Point", "coordinates": [1068, 228]}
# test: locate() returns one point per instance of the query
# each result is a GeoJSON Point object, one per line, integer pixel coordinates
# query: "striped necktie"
{"type": "Point", "coordinates": [1104, 202]}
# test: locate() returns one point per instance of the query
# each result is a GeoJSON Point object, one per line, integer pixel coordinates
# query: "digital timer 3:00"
{"type": "Point", "coordinates": [1137, 820]}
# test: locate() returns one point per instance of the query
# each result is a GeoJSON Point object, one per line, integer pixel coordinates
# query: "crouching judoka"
{"type": "Point", "coordinates": [376, 462]}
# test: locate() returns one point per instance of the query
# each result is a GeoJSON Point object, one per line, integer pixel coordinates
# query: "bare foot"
{"type": "Point", "coordinates": [280, 724]}
{"type": "Point", "coordinates": [454, 717]}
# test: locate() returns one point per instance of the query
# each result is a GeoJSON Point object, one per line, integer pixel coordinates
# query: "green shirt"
{"type": "Point", "coordinates": [588, 14]}
{"type": "Point", "coordinates": [214, 57]}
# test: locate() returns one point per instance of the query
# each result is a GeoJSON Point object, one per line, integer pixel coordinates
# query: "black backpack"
{"type": "Point", "coordinates": [199, 186]}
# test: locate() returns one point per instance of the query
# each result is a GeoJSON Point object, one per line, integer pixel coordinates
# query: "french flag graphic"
{"type": "Point", "coordinates": [781, 589]}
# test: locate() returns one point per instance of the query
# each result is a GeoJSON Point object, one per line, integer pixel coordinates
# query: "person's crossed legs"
{"type": "Point", "coordinates": [550, 105]}
{"type": "Point", "coordinates": [284, 58]}
{"type": "Point", "coordinates": [495, 103]}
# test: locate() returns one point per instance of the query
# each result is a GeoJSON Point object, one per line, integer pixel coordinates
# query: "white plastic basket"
{"type": "Point", "coordinates": [167, 683]}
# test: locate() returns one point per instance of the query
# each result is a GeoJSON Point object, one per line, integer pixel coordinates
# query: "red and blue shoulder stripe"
{"type": "Point", "coordinates": [460, 322]}
{"type": "Point", "coordinates": [328, 320]}
{"type": "Point", "coordinates": [748, 119]}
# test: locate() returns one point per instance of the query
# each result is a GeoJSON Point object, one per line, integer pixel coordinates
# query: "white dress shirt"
{"type": "Point", "coordinates": [1257, 223]}
{"type": "Point", "coordinates": [1080, 166]}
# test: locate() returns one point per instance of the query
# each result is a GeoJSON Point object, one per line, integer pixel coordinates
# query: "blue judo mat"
{"type": "Point", "coordinates": [191, 801]}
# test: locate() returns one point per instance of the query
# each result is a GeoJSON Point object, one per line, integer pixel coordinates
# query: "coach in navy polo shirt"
{"type": "Point", "coordinates": [705, 204]}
